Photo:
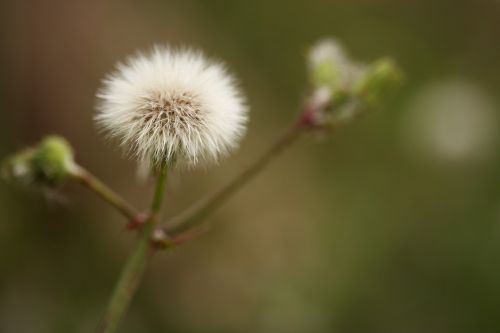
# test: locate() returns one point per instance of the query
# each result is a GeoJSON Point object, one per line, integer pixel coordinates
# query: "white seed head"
{"type": "Point", "coordinates": [172, 105]}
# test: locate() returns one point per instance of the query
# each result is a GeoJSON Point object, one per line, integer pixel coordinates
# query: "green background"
{"type": "Point", "coordinates": [358, 232]}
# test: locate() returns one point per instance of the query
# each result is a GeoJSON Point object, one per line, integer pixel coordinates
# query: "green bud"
{"type": "Point", "coordinates": [326, 73]}
{"type": "Point", "coordinates": [53, 161]}
{"type": "Point", "coordinates": [48, 164]}
{"type": "Point", "coordinates": [379, 79]}
{"type": "Point", "coordinates": [327, 61]}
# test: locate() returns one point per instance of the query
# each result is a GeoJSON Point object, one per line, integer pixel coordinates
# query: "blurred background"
{"type": "Point", "coordinates": [390, 225]}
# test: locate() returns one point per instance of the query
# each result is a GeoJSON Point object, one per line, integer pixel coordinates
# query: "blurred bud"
{"type": "Point", "coordinates": [343, 88]}
{"type": "Point", "coordinates": [326, 60]}
{"type": "Point", "coordinates": [379, 79]}
{"type": "Point", "coordinates": [50, 163]}
{"type": "Point", "coordinates": [18, 168]}
{"type": "Point", "coordinates": [330, 67]}
{"type": "Point", "coordinates": [53, 160]}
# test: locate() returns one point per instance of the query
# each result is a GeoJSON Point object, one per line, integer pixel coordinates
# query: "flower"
{"type": "Point", "coordinates": [172, 105]}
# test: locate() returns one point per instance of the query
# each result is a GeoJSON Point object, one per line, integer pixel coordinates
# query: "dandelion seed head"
{"type": "Point", "coordinates": [172, 105]}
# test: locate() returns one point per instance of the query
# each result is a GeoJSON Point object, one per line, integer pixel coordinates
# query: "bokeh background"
{"type": "Point", "coordinates": [390, 225]}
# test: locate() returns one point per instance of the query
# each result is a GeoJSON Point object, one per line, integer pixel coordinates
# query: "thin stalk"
{"type": "Point", "coordinates": [134, 268]}
{"type": "Point", "coordinates": [186, 222]}
{"type": "Point", "coordinates": [104, 192]}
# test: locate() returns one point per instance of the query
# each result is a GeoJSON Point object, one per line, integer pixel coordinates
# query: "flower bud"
{"type": "Point", "coordinates": [341, 87]}
{"type": "Point", "coordinates": [326, 73]}
{"type": "Point", "coordinates": [379, 79]}
{"type": "Point", "coordinates": [50, 163]}
{"type": "Point", "coordinates": [327, 65]}
{"type": "Point", "coordinates": [53, 161]}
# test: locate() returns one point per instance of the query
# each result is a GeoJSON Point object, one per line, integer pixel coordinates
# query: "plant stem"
{"type": "Point", "coordinates": [103, 191]}
{"type": "Point", "coordinates": [187, 221]}
{"type": "Point", "coordinates": [136, 264]}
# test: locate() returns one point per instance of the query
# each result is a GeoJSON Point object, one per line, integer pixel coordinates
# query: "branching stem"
{"type": "Point", "coordinates": [183, 228]}
{"type": "Point", "coordinates": [104, 192]}
{"type": "Point", "coordinates": [136, 264]}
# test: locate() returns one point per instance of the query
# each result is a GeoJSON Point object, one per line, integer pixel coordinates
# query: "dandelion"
{"type": "Point", "coordinates": [172, 106]}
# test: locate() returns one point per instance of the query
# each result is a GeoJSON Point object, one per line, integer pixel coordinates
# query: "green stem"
{"type": "Point", "coordinates": [103, 191]}
{"type": "Point", "coordinates": [187, 221]}
{"type": "Point", "coordinates": [160, 190]}
{"type": "Point", "coordinates": [134, 268]}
